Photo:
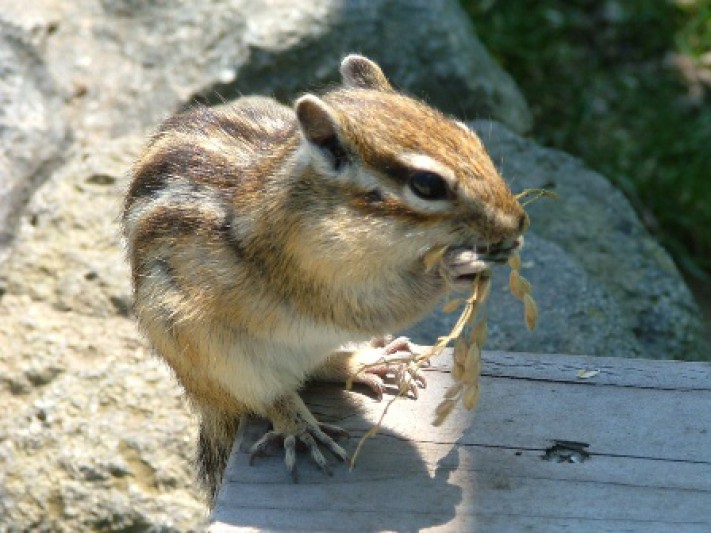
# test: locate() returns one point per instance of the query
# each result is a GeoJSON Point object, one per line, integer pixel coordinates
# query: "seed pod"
{"type": "Point", "coordinates": [466, 364]}
{"type": "Point", "coordinates": [460, 350]}
{"type": "Point", "coordinates": [525, 284]}
{"type": "Point", "coordinates": [471, 397]}
{"type": "Point", "coordinates": [445, 406]}
{"type": "Point", "coordinates": [536, 194]}
{"type": "Point", "coordinates": [453, 391]}
{"type": "Point", "coordinates": [479, 333]}
{"type": "Point", "coordinates": [457, 371]}
{"type": "Point", "coordinates": [515, 285]}
{"type": "Point", "coordinates": [442, 411]}
{"type": "Point", "coordinates": [471, 365]}
{"type": "Point", "coordinates": [515, 261]}
{"type": "Point", "coordinates": [530, 311]}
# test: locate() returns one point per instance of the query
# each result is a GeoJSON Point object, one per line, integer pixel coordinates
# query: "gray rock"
{"type": "Point", "coordinates": [129, 64]}
{"type": "Point", "coordinates": [426, 47]}
{"type": "Point", "coordinates": [84, 407]}
{"type": "Point", "coordinates": [102, 445]}
{"type": "Point", "coordinates": [33, 133]}
{"type": "Point", "coordinates": [68, 250]}
{"type": "Point", "coordinates": [603, 285]}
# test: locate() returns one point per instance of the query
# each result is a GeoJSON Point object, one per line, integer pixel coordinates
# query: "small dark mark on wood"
{"type": "Point", "coordinates": [567, 451]}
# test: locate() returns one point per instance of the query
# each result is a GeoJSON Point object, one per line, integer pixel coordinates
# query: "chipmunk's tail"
{"type": "Point", "coordinates": [217, 435]}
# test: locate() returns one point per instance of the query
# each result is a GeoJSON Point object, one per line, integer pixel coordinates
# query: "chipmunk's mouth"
{"type": "Point", "coordinates": [462, 264]}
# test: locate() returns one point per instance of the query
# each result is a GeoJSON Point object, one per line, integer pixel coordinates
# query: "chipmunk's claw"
{"type": "Point", "coordinates": [309, 438]}
{"type": "Point", "coordinates": [407, 376]}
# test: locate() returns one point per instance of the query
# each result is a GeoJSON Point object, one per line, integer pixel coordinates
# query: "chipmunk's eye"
{"type": "Point", "coordinates": [428, 185]}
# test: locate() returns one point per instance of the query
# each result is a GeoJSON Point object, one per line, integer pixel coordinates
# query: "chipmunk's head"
{"type": "Point", "coordinates": [420, 179]}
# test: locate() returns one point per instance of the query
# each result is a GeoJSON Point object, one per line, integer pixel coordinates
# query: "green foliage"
{"type": "Point", "coordinates": [604, 81]}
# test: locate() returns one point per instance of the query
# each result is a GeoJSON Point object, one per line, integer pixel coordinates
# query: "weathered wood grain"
{"type": "Point", "coordinates": [647, 426]}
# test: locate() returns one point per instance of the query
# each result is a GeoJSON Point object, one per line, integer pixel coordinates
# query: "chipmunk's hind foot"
{"type": "Point", "coordinates": [295, 427]}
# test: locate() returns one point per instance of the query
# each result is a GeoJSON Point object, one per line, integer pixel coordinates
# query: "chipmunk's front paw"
{"type": "Point", "coordinates": [395, 358]}
{"type": "Point", "coordinates": [295, 427]}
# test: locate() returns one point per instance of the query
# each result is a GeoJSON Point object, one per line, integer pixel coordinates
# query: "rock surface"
{"type": "Point", "coordinates": [32, 130]}
{"type": "Point", "coordinates": [128, 64]}
{"type": "Point", "coordinates": [94, 433]}
{"type": "Point", "coordinates": [425, 46]}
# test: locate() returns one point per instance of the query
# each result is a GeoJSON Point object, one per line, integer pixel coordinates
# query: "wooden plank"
{"type": "Point", "coordinates": [647, 425]}
{"type": "Point", "coordinates": [616, 371]}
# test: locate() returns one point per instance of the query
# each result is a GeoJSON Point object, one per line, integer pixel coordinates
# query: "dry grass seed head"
{"type": "Point", "coordinates": [530, 311]}
{"type": "Point", "coordinates": [515, 285]}
{"type": "Point", "coordinates": [453, 391]}
{"type": "Point", "coordinates": [457, 371]}
{"type": "Point", "coordinates": [460, 350]}
{"type": "Point", "coordinates": [515, 261]}
{"type": "Point", "coordinates": [445, 407]}
{"type": "Point", "coordinates": [479, 333]}
{"type": "Point", "coordinates": [472, 362]}
{"type": "Point", "coordinates": [471, 396]}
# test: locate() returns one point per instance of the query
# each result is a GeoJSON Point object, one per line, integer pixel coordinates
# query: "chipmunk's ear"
{"type": "Point", "coordinates": [319, 125]}
{"type": "Point", "coordinates": [359, 72]}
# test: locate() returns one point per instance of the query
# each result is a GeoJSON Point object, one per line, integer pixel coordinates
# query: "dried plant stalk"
{"type": "Point", "coordinates": [466, 367]}
{"type": "Point", "coordinates": [466, 364]}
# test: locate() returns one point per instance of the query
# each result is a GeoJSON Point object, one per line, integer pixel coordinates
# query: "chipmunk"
{"type": "Point", "coordinates": [271, 245]}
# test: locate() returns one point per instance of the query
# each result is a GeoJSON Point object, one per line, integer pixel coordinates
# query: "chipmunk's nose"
{"type": "Point", "coordinates": [500, 250]}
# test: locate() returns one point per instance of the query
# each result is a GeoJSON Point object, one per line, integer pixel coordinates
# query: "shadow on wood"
{"type": "Point", "coordinates": [384, 491]}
